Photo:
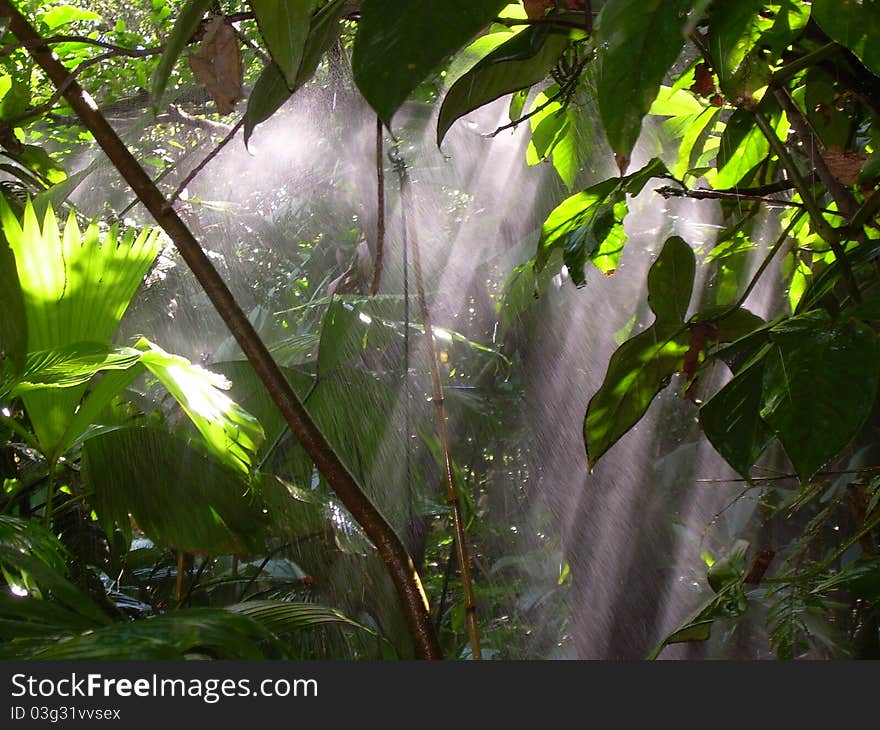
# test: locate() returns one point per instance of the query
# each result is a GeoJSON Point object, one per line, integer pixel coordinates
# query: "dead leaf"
{"type": "Point", "coordinates": [217, 64]}
{"type": "Point", "coordinates": [534, 8]}
{"type": "Point", "coordinates": [622, 162]}
{"type": "Point", "coordinates": [704, 81]}
{"type": "Point", "coordinates": [844, 165]}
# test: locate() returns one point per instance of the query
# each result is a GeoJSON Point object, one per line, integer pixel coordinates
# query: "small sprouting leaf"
{"type": "Point", "coordinates": [638, 41]}
{"type": "Point", "coordinates": [517, 64]}
{"type": "Point", "coordinates": [819, 386]}
{"type": "Point", "coordinates": [284, 25]}
{"type": "Point", "coordinates": [398, 44]}
{"type": "Point", "coordinates": [185, 26]}
{"type": "Point", "coordinates": [217, 64]}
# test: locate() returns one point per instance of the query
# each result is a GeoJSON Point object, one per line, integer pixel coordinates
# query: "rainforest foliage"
{"type": "Point", "coordinates": [158, 507]}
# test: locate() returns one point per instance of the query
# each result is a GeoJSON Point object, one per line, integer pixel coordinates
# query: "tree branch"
{"type": "Point", "coordinates": [388, 544]}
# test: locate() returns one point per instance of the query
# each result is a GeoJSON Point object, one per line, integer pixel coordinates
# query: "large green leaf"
{"type": "Point", "coordinates": [416, 38]}
{"type": "Point", "coordinates": [819, 385]}
{"type": "Point", "coordinates": [76, 287]}
{"type": "Point", "coordinates": [185, 26]}
{"type": "Point", "coordinates": [854, 24]}
{"type": "Point", "coordinates": [638, 41]}
{"type": "Point", "coordinates": [284, 25]}
{"type": "Point", "coordinates": [282, 617]}
{"type": "Point", "coordinates": [731, 419]}
{"type": "Point", "coordinates": [743, 146]}
{"type": "Point", "coordinates": [212, 631]}
{"type": "Point", "coordinates": [13, 322]}
{"type": "Point", "coordinates": [272, 89]}
{"type": "Point", "coordinates": [177, 495]}
{"type": "Point", "coordinates": [671, 282]}
{"type": "Point", "coordinates": [589, 225]}
{"type": "Point", "coordinates": [71, 365]}
{"type": "Point", "coordinates": [522, 61]}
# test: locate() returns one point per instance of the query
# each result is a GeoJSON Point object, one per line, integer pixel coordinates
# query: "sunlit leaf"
{"type": "Point", "coordinates": [854, 24]}
{"type": "Point", "coordinates": [522, 61]}
{"type": "Point", "coordinates": [638, 42]}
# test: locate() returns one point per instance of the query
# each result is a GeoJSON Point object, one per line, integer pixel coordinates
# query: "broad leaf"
{"type": "Point", "coordinates": [819, 386]}
{"type": "Point", "coordinates": [418, 37]}
{"type": "Point", "coordinates": [177, 495]}
{"type": "Point", "coordinates": [281, 617]}
{"type": "Point", "coordinates": [589, 225]}
{"type": "Point", "coordinates": [272, 89]}
{"type": "Point", "coordinates": [671, 281]}
{"type": "Point", "coordinates": [638, 41]}
{"type": "Point", "coordinates": [71, 365]}
{"type": "Point", "coordinates": [731, 419]}
{"type": "Point", "coordinates": [522, 61]}
{"type": "Point", "coordinates": [284, 25]}
{"type": "Point", "coordinates": [854, 24]}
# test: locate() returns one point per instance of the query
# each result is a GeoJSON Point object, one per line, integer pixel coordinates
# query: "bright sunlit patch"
{"type": "Point", "coordinates": [18, 590]}
{"type": "Point", "coordinates": [365, 318]}
{"type": "Point", "coordinates": [87, 98]}
{"type": "Point", "coordinates": [443, 334]}
{"type": "Point", "coordinates": [6, 412]}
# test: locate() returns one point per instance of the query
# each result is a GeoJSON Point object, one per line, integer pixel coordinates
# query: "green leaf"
{"type": "Point", "coordinates": [638, 41]}
{"type": "Point", "coordinates": [730, 568]}
{"type": "Point", "coordinates": [272, 89]}
{"type": "Point", "coordinates": [743, 147]}
{"type": "Point", "coordinates": [671, 281]}
{"type": "Point", "coordinates": [861, 577]}
{"type": "Point", "coordinates": [37, 160]}
{"type": "Point", "coordinates": [76, 287]}
{"type": "Point", "coordinates": [213, 631]}
{"type": "Point", "coordinates": [589, 224]}
{"type": "Point", "coordinates": [522, 61]}
{"type": "Point", "coordinates": [854, 24]}
{"type": "Point", "coordinates": [71, 365]}
{"type": "Point", "coordinates": [819, 386]}
{"type": "Point", "coordinates": [176, 495]}
{"type": "Point", "coordinates": [188, 20]}
{"type": "Point", "coordinates": [282, 617]}
{"type": "Point", "coordinates": [60, 15]}
{"type": "Point", "coordinates": [417, 37]}
{"type": "Point", "coordinates": [230, 432]}
{"type": "Point", "coordinates": [638, 370]}
{"type": "Point", "coordinates": [284, 25]}
{"type": "Point", "coordinates": [731, 419]}
{"type": "Point", "coordinates": [13, 321]}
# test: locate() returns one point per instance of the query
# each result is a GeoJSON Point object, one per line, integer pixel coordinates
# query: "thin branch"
{"type": "Point", "coordinates": [546, 20]}
{"type": "Point", "coordinates": [452, 490]}
{"type": "Point", "coordinates": [541, 107]}
{"type": "Point", "coordinates": [388, 544]}
{"type": "Point", "coordinates": [828, 234]}
{"type": "Point", "coordinates": [117, 49]}
{"type": "Point", "coordinates": [700, 194]}
{"type": "Point", "coordinates": [205, 162]}
{"type": "Point", "coordinates": [825, 473]}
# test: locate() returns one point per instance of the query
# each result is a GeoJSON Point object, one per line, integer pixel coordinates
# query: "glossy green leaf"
{"type": "Point", "coordinates": [13, 322]}
{"type": "Point", "coordinates": [819, 386]}
{"type": "Point", "coordinates": [854, 24]}
{"type": "Point", "coordinates": [272, 89]}
{"type": "Point", "coordinates": [176, 495]}
{"type": "Point", "coordinates": [861, 577]}
{"type": "Point", "coordinates": [671, 281]}
{"type": "Point", "coordinates": [37, 160]}
{"type": "Point", "coordinates": [743, 147]}
{"type": "Point", "coordinates": [284, 25]}
{"type": "Point", "coordinates": [522, 61]}
{"type": "Point", "coordinates": [281, 617]}
{"type": "Point", "coordinates": [71, 365]}
{"type": "Point", "coordinates": [188, 20]}
{"type": "Point", "coordinates": [589, 225]}
{"type": "Point", "coordinates": [399, 43]}
{"type": "Point", "coordinates": [638, 41]}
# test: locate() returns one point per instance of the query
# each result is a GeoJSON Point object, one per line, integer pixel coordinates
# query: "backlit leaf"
{"type": "Point", "coordinates": [284, 25]}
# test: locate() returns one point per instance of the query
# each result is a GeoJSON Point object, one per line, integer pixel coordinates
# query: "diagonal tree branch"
{"type": "Point", "coordinates": [388, 544]}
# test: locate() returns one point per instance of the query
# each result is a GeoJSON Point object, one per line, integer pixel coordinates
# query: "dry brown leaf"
{"type": "Point", "coordinates": [217, 64]}
{"type": "Point", "coordinates": [535, 8]}
{"type": "Point", "coordinates": [844, 165]}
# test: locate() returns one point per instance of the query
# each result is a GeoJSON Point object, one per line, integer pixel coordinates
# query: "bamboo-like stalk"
{"type": "Point", "coordinates": [388, 544]}
{"type": "Point", "coordinates": [380, 211]}
{"type": "Point", "coordinates": [443, 435]}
